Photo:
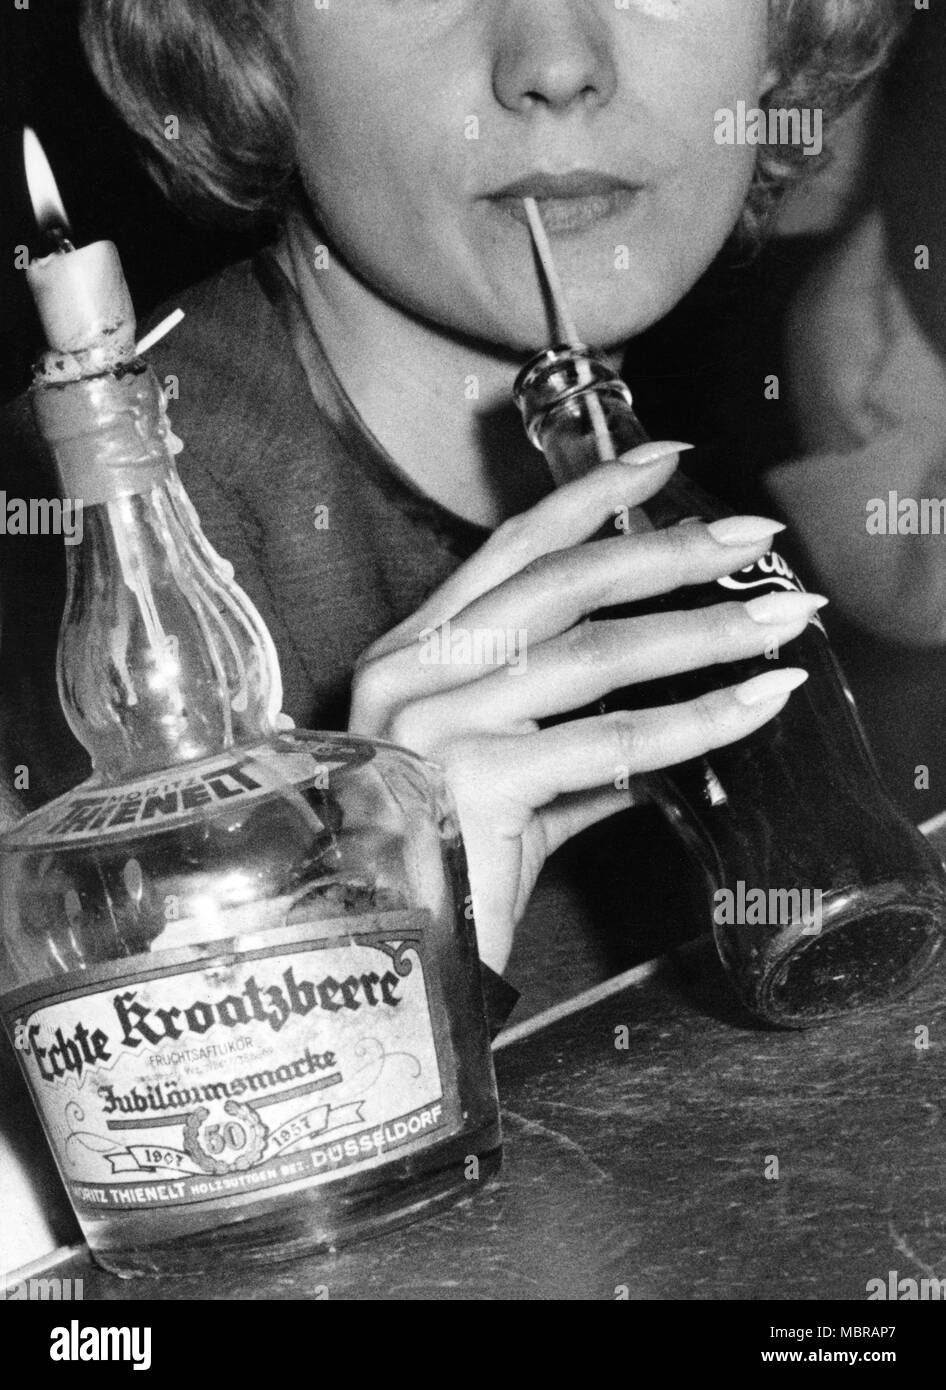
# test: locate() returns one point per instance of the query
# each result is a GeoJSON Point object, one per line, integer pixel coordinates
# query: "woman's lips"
{"type": "Point", "coordinates": [568, 203]}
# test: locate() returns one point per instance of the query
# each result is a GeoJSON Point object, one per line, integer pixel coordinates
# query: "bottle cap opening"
{"type": "Point", "coordinates": [558, 375]}
{"type": "Point", "coordinates": [551, 357]}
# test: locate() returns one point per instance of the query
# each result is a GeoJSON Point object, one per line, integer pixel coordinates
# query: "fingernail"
{"type": "Point", "coordinates": [743, 531]}
{"type": "Point", "coordinates": [648, 454]}
{"type": "Point", "coordinates": [772, 686]}
{"type": "Point", "coordinates": [784, 609]}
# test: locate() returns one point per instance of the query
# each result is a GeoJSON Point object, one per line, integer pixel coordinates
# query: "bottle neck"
{"type": "Point", "coordinates": [162, 658]}
{"type": "Point", "coordinates": [577, 410]}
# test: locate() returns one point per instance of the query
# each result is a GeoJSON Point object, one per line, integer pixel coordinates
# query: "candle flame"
{"type": "Point", "coordinates": [44, 192]}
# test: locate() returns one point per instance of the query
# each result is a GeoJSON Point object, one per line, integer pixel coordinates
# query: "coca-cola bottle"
{"type": "Point", "coordinates": [823, 896]}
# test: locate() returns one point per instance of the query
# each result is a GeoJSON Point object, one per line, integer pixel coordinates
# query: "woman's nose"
{"type": "Point", "coordinates": [553, 54]}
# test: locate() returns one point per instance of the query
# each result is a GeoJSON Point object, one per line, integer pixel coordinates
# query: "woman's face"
{"type": "Point", "coordinates": [422, 122]}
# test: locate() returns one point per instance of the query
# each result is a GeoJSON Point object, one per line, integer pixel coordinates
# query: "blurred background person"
{"type": "Point", "coordinates": [865, 364]}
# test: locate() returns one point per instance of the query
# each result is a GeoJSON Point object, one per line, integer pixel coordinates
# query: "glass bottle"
{"type": "Point", "coordinates": [823, 896]}
{"type": "Point", "coordinates": [238, 963]}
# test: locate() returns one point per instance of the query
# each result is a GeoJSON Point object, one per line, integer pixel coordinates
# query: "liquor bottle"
{"type": "Point", "coordinates": [823, 896]}
{"type": "Point", "coordinates": [238, 963]}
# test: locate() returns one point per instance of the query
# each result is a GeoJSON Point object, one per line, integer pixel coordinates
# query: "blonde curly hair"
{"type": "Point", "coordinates": [220, 67]}
{"type": "Point", "coordinates": [824, 52]}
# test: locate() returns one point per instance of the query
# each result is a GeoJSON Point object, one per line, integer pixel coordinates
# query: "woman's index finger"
{"type": "Point", "coordinates": [564, 518]}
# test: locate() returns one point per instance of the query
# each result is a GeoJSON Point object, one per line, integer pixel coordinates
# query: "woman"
{"type": "Point", "coordinates": [345, 398]}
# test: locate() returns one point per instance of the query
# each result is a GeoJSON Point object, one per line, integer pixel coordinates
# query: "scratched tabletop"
{"type": "Point", "coordinates": [660, 1145]}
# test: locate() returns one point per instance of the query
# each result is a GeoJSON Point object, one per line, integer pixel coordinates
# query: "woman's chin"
{"type": "Point", "coordinates": [529, 332]}
{"type": "Point", "coordinates": [512, 317]}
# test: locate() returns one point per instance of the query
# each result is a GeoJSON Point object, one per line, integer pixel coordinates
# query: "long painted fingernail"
{"type": "Point", "coordinates": [646, 455]}
{"type": "Point", "coordinates": [782, 610]}
{"type": "Point", "coordinates": [774, 685]}
{"type": "Point", "coordinates": [743, 531]}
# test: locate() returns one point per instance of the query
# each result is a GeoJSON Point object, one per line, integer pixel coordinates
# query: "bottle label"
{"type": "Point", "coordinates": [184, 795]}
{"type": "Point", "coordinates": [771, 572]}
{"type": "Point", "coordinates": [302, 1054]}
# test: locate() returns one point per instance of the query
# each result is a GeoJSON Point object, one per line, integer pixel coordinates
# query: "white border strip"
{"type": "Point", "coordinates": [45, 1262]}
{"type": "Point", "coordinates": [584, 1000]}
{"type": "Point", "coordinates": [930, 827]}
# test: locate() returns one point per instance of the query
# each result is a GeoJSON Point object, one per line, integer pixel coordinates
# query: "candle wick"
{"type": "Point", "coordinates": [56, 235]}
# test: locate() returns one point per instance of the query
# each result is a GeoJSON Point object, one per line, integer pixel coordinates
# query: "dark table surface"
{"type": "Point", "coordinates": [647, 1171]}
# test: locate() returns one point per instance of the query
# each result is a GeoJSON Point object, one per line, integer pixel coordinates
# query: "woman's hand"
{"type": "Point", "coordinates": [517, 650]}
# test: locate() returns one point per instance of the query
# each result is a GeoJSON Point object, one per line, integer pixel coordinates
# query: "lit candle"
{"type": "Point", "coordinates": [81, 294]}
